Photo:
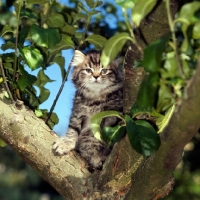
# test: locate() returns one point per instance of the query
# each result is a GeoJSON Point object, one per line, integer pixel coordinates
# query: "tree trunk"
{"type": "Point", "coordinates": [126, 175]}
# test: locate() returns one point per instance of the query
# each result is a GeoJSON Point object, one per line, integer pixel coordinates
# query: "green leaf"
{"type": "Point", "coordinates": [61, 63]}
{"type": "Point", "coordinates": [38, 113]}
{"type": "Point", "coordinates": [25, 79]}
{"type": "Point", "coordinates": [97, 40]}
{"type": "Point", "coordinates": [53, 120]}
{"type": "Point", "coordinates": [165, 98]}
{"type": "Point", "coordinates": [8, 45]}
{"type": "Point", "coordinates": [37, 1]}
{"type": "Point", "coordinates": [126, 3]}
{"type": "Point", "coordinates": [44, 37]}
{"type": "Point", "coordinates": [141, 9]}
{"type": "Point", "coordinates": [65, 43]}
{"type": "Point", "coordinates": [93, 12]}
{"type": "Point", "coordinates": [44, 94]}
{"type": "Point", "coordinates": [55, 21]}
{"type": "Point", "coordinates": [147, 93]}
{"type": "Point", "coordinates": [187, 17]}
{"type": "Point", "coordinates": [113, 47]}
{"type": "Point", "coordinates": [196, 31]}
{"type": "Point", "coordinates": [32, 57]}
{"type": "Point", "coordinates": [69, 30]}
{"type": "Point", "coordinates": [90, 3]}
{"type": "Point", "coordinates": [6, 29]}
{"type": "Point", "coordinates": [80, 16]}
{"type": "Point", "coordinates": [23, 34]}
{"type": "Point", "coordinates": [111, 135]}
{"type": "Point", "coordinates": [99, 3]}
{"type": "Point", "coordinates": [42, 79]}
{"type": "Point", "coordinates": [153, 55]}
{"type": "Point", "coordinates": [161, 125]}
{"type": "Point", "coordinates": [27, 14]}
{"type": "Point", "coordinates": [142, 136]}
{"type": "Point", "coordinates": [96, 121]}
{"type": "Point", "coordinates": [2, 143]}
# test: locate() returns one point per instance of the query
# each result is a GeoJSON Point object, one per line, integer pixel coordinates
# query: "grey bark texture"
{"type": "Point", "coordinates": [126, 175]}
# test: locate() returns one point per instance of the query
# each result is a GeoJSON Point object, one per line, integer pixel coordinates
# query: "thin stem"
{"type": "Point", "coordinates": [16, 41]}
{"type": "Point", "coordinates": [59, 92]}
{"type": "Point", "coordinates": [68, 70]}
{"type": "Point", "coordinates": [171, 25]}
{"type": "Point", "coordinates": [5, 82]}
{"type": "Point", "coordinates": [131, 32]}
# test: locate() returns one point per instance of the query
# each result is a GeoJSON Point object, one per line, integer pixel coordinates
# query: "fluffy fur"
{"type": "Point", "coordinates": [98, 89]}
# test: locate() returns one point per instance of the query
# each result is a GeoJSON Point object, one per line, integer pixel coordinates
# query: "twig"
{"type": "Point", "coordinates": [5, 82]}
{"type": "Point", "coordinates": [16, 42]}
{"type": "Point", "coordinates": [68, 69]}
{"type": "Point", "coordinates": [59, 92]}
{"type": "Point", "coordinates": [171, 25]}
{"type": "Point", "coordinates": [132, 33]}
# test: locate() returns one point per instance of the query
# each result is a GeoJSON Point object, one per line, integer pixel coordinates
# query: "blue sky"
{"type": "Point", "coordinates": [65, 102]}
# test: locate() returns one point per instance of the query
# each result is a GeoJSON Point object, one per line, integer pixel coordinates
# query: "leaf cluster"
{"type": "Point", "coordinates": [168, 62]}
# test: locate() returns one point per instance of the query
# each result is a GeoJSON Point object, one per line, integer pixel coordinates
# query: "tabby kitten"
{"type": "Point", "coordinates": [98, 89]}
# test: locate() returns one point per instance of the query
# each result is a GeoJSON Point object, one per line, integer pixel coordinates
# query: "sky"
{"type": "Point", "coordinates": [65, 102]}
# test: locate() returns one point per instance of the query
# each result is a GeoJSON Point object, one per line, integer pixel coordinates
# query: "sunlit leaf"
{"type": "Point", "coordinates": [113, 47]}
{"type": "Point", "coordinates": [97, 40]}
{"type": "Point", "coordinates": [44, 37]}
{"type": "Point", "coordinates": [196, 31]}
{"type": "Point", "coordinates": [97, 118]}
{"type": "Point", "coordinates": [70, 30]}
{"type": "Point", "coordinates": [65, 43]}
{"type": "Point", "coordinates": [166, 119]}
{"type": "Point", "coordinates": [32, 56]}
{"type": "Point", "coordinates": [55, 20]}
{"type": "Point", "coordinates": [142, 136]}
{"type": "Point", "coordinates": [141, 9]}
{"type": "Point", "coordinates": [38, 113]}
{"type": "Point", "coordinates": [126, 3]}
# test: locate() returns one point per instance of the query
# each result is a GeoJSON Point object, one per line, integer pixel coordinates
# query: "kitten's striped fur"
{"type": "Point", "coordinates": [98, 89]}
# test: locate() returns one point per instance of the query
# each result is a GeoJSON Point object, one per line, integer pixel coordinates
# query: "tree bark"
{"type": "Point", "coordinates": [126, 175]}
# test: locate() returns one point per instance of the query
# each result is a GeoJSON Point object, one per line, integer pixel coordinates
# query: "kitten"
{"type": "Point", "coordinates": [98, 89]}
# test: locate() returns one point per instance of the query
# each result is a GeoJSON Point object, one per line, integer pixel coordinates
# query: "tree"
{"type": "Point", "coordinates": [165, 98]}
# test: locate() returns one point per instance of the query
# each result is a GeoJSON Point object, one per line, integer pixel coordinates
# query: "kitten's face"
{"type": "Point", "coordinates": [90, 75]}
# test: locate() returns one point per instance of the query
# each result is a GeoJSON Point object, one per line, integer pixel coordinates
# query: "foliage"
{"type": "Point", "coordinates": [40, 36]}
{"type": "Point", "coordinates": [43, 28]}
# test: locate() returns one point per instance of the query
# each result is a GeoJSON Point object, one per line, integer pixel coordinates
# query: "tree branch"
{"type": "Point", "coordinates": [183, 125]}
{"type": "Point", "coordinates": [32, 140]}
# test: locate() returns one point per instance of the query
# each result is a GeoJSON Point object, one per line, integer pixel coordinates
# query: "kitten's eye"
{"type": "Point", "coordinates": [104, 71]}
{"type": "Point", "coordinates": [89, 71]}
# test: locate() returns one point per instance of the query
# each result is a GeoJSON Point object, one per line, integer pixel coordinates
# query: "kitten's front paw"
{"type": "Point", "coordinates": [63, 145]}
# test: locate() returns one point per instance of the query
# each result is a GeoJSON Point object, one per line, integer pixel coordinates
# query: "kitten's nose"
{"type": "Point", "coordinates": [96, 77]}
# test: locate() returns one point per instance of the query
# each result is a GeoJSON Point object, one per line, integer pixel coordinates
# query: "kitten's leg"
{"type": "Point", "coordinates": [94, 151]}
{"type": "Point", "coordinates": [67, 143]}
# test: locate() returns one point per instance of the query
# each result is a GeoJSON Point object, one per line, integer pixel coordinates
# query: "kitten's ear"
{"type": "Point", "coordinates": [78, 58]}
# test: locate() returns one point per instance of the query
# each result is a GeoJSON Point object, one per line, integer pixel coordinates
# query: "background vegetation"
{"type": "Point", "coordinates": [60, 28]}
